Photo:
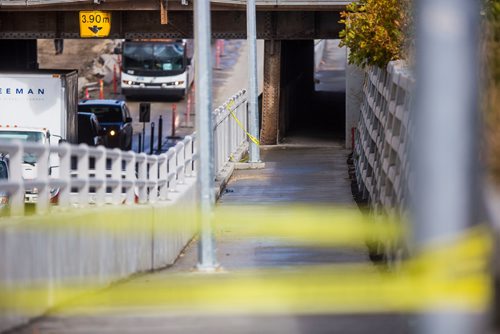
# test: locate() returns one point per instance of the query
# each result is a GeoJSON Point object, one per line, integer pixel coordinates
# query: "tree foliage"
{"type": "Point", "coordinates": [375, 31]}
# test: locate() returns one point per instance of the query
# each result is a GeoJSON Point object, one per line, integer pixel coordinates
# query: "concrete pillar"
{"type": "Point", "coordinates": [271, 94]}
{"type": "Point", "coordinates": [18, 54]}
{"type": "Point", "coordinates": [354, 77]}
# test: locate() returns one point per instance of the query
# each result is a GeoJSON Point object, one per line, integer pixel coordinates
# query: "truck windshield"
{"type": "Point", "coordinates": [105, 114]}
{"type": "Point", "coordinates": [143, 56]}
{"type": "Point", "coordinates": [25, 136]}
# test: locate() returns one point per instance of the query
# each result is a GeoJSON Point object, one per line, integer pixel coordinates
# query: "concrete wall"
{"type": "Point", "coordinates": [354, 97]}
{"type": "Point", "coordinates": [90, 249]}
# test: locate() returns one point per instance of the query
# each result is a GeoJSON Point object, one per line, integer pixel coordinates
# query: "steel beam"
{"type": "Point", "coordinates": [174, 5]}
{"type": "Point", "coordinates": [147, 24]}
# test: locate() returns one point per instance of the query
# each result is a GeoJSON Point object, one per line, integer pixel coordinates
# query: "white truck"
{"type": "Point", "coordinates": [39, 106]}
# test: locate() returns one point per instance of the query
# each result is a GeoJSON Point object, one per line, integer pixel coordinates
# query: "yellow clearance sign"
{"type": "Point", "coordinates": [95, 24]}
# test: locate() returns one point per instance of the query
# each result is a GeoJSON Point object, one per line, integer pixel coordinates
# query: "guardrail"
{"type": "Point", "coordinates": [383, 136]}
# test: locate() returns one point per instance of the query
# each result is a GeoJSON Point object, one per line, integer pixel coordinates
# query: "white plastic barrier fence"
{"type": "Point", "coordinates": [230, 127]}
{"type": "Point", "coordinates": [98, 176]}
{"type": "Point", "coordinates": [383, 137]}
{"type": "Point", "coordinates": [116, 177]}
{"type": "Point", "coordinates": [117, 189]}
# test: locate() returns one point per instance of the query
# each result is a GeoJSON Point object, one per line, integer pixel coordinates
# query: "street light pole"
{"type": "Point", "coordinates": [446, 142]}
{"type": "Point", "coordinates": [206, 177]}
{"type": "Point", "coordinates": [253, 112]}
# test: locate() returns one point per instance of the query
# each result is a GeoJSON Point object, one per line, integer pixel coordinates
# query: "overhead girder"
{"type": "Point", "coordinates": [173, 5]}
{"type": "Point", "coordinates": [286, 25]}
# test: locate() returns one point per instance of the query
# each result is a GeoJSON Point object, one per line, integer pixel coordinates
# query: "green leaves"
{"type": "Point", "coordinates": [374, 31]}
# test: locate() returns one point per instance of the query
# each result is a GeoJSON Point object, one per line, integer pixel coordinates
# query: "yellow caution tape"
{"type": "Point", "coordinates": [450, 277]}
{"type": "Point", "coordinates": [306, 225]}
{"type": "Point", "coordinates": [252, 138]}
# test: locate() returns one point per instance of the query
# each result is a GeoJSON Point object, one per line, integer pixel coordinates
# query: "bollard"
{"type": "Point", "coordinates": [160, 134]}
{"type": "Point", "coordinates": [87, 95]}
{"type": "Point", "coordinates": [101, 89]}
{"type": "Point", "coordinates": [139, 149]}
{"type": "Point", "coordinates": [115, 88]}
{"type": "Point", "coordinates": [152, 138]}
{"type": "Point", "coordinates": [174, 116]}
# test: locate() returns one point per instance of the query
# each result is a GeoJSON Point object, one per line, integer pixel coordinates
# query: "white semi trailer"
{"type": "Point", "coordinates": [39, 106]}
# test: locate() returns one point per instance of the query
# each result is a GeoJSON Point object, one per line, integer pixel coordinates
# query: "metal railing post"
{"type": "Point", "coordinates": [100, 174]}
{"type": "Point", "coordinates": [142, 162]}
{"type": "Point", "coordinates": [446, 149]}
{"type": "Point", "coordinates": [172, 169]}
{"type": "Point", "coordinates": [253, 112]}
{"type": "Point", "coordinates": [206, 177]}
{"type": "Point", "coordinates": [65, 174]}
{"type": "Point", "coordinates": [116, 175]}
{"type": "Point", "coordinates": [163, 176]}
{"type": "Point", "coordinates": [83, 174]}
{"type": "Point", "coordinates": [153, 178]}
{"type": "Point", "coordinates": [129, 159]}
{"type": "Point", "coordinates": [16, 200]}
{"type": "Point", "coordinates": [43, 200]}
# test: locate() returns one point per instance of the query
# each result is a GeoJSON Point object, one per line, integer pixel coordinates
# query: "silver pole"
{"type": "Point", "coordinates": [206, 176]}
{"type": "Point", "coordinates": [446, 155]}
{"type": "Point", "coordinates": [253, 112]}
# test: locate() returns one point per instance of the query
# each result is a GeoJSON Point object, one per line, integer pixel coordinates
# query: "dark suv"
{"type": "Point", "coordinates": [114, 117]}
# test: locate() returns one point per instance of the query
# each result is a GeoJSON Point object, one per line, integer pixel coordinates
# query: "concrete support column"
{"type": "Point", "coordinates": [271, 93]}
{"type": "Point", "coordinates": [18, 54]}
